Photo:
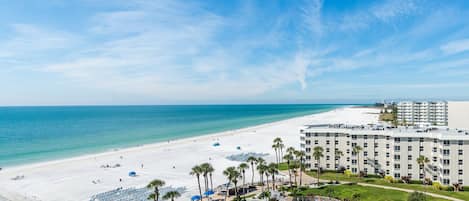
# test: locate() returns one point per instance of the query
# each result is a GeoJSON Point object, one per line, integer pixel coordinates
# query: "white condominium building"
{"type": "Point", "coordinates": [434, 113]}
{"type": "Point", "coordinates": [391, 151]}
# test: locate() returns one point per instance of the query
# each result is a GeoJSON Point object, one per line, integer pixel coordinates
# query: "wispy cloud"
{"type": "Point", "coordinates": [457, 46]}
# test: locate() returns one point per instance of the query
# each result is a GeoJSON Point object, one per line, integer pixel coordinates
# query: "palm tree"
{"type": "Point", "coordinates": [357, 150]}
{"type": "Point", "coordinates": [242, 168]}
{"type": "Point", "coordinates": [273, 170]}
{"type": "Point", "coordinates": [288, 157]}
{"type": "Point", "coordinates": [232, 175]}
{"type": "Point", "coordinates": [275, 147]}
{"type": "Point", "coordinates": [262, 168]}
{"type": "Point", "coordinates": [252, 160]}
{"type": "Point", "coordinates": [260, 161]}
{"type": "Point", "coordinates": [279, 148]}
{"type": "Point", "coordinates": [171, 195]}
{"type": "Point", "coordinates": [197, 171]}
{"type": "Point", "coordinates": [300, 155]}
{"type": "Point", "coordinates": [318, 154]}
{"type": "Point", "coordinates": [155, 184]}
{"type": "Point", "coordinates": [210, 172]}
{"type": "Point", "coordinates": [205, 167]}
{"type": "Point", "coordinates": [422, 160]}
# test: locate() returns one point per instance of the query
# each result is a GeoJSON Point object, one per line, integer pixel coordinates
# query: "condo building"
{"type": "Point", "coordinates": [427, 112]}
{"type": "Point", "coordinates": [391, 151]}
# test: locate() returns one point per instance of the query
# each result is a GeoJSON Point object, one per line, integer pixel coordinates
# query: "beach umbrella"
{"type": "Point", "coordinates": [132, 174]}
{"type": "Point", "coordinates": [209, 193]}
{"type": "Point", "coordinates": [196, 197]}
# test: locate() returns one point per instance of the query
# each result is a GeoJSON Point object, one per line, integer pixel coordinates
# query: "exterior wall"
{"type": "Point", "coordinates": [458, 115]}
{"type": "Point", "coordinates": [395, 156]}
{"type": "Point", "coordinates": [435, 113]}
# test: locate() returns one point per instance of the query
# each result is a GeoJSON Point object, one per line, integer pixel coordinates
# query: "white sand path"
{"type": "Point", "coordinates": [71, 179]}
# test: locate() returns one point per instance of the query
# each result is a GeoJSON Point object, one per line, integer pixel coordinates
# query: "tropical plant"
{"type": "Point", "coordinates": [318, 154]}
{"type": "Point", "coordinates": [197, 171]}
{"type": "Point", "coordinates": [252, 160]}
{"type": "Point", "coordinates": [456, 187]}
{"type": "Point", "coordinates": [437, 185]}
{"type": "Point", "coordinates": [422, 160]}
{"type": "Point", "coordinates": [337, 154]}
{"type": "Point", "coordinates": [356, 196]}
{"type": "Point", "coordinates": [348, 173]}
{"type": "Point", "coordinates": [357, 150]}
{"type": "Point", "coordinates": [242, 168]}
{"type": "Point", "coordinates": [155, 184]}
{"type": "Point", "coordinates": [279, 145]}
{"type": "Point", "coordinates": [206, 168]}
{"type": "Point", "coordinates": [276, 149]}
{"type": "Point", "coordinates": [171, 195]}
{"type": "Point", "coordinates": [389, 178]}
{"type": "Point", "coordinates": [232, 175]}
{"type": "Point", "coordinates": [261, 168]}
{"type": "Point", "coordinates": [417, 196]}
{"type": "Point", "coordinates": [288, 157]}
{"type": "Point", "coordinates": [300, 155]}
{"type": "Point", "coordinates": [273, 170]}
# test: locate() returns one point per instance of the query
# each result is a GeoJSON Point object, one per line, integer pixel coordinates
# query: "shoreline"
{"type": "Point", "coordinates": [170, 161]}
{"type": "Point", "coordinates": [157, 144]}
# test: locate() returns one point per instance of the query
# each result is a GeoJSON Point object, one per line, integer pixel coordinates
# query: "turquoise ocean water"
{"type": "Point", "coordinates": [32, 134]}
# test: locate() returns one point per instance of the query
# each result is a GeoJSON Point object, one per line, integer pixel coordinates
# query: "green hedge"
{"type": "Point", "coordinates": [465, 188]}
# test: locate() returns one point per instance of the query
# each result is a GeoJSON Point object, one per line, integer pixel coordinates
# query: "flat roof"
{"type": "Point", "coordinates": [443, 133]}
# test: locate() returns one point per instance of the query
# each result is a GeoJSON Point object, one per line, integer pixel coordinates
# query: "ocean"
{"type": "Point", "coordinates": [34, 134]}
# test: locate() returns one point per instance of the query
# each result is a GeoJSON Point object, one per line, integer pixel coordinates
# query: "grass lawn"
{"type": "Point", "coordinates": [378, 181]}
{"type": "Point", "coordinates": [386, 117]}
{"type": "Point", "coordinates": [365, 193]}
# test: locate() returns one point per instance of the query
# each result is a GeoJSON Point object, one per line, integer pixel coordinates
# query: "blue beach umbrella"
{"type": "Point", "coordinates": [209, 193]}
{"type": "Point", "coordinates": [196, 197]}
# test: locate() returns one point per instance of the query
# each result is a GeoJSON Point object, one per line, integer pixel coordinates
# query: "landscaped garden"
{"type": "Point", "coordinates": [355, 192]}
{"type": "Point", "coordinates": [372, 179]}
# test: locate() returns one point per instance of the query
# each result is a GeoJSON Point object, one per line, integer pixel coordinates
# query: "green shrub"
{"type": "Point", "coordinates": [415, 182]}
{"type": "Point", "coordinates": [348, 173]}
{"type": "Point", "coordinates": [465, 188]}
{"type": "Point", "coordinates": [416, 196]}
{"type": "Point", "coordinates": [448, 188]}
{"type": "Point", "coordinates": [389, 179]}
{"type": "Point", "coordinates": [437, 185]}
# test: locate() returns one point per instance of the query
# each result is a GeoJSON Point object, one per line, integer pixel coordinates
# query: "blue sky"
{"type": "Point", "coordinates": [181, 52]}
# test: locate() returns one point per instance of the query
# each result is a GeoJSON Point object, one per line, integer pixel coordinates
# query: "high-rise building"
{"type": "Point", "coordinates": [427, 112]}
{"type": "Point", "coordinates": [391, 151]}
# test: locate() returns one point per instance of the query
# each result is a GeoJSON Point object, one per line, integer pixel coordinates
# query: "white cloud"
{"type": "Point", "coordinates": [457, 46]}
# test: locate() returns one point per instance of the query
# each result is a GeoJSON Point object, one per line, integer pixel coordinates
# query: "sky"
{"type": "Point", "coordinates": [127, 52]}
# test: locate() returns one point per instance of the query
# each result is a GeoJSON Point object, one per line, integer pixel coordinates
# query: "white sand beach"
{"type": "Point", "coordinates": [72, 179]}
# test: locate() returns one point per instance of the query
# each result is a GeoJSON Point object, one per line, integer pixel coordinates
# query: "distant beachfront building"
{"type": "Point", "coordinates": [391, 151]}
{"type": "Point", "coordinates": [427, 112]}
{"type": "Point", "coordinates": [458, 114]}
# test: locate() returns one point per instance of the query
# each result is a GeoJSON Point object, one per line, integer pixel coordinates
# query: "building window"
{"type": "Point", "coordinates": [354, 162]}
{"type": "Point", "coordinates": [435, 140]}
{"type": "Point", "coordinates": [387, 163]}
{"type": "Point", "coordinates": [409, 166]}
{"type": "Point", "coordinates": [446, 152]}
{"type": "Point", "coordinates": [328, 157]}
{"type": "Point", "coordinates": [409, 157]}
{"type": "Point", "coordinates": [460, 172]}
{"type": "Point", "coordinates": [397, 175]}
{"type": "Point", "coordinates": [460, 142]}
{"type": "Point", "coordinates": [435, 159]}
{"type": "Point", "coordinates": [348, 143]}
{"type": "Point", "coordinates": [387, 146]}
{"type": "Point", "coordinates": [421, 148]}
{"type": "Point", "coordinates": [376, 145]}
{"type": "Point", "coordinates": [316, 142]}
{"type": "Point", "coordinates": [354, 144]}
{"type": "Point", "coordinates": [348, 151]}
{"type": "Point", "coordinates": [308, 150]}
{"type": "Point", "coordinates": [445, 162]}
{"type": "Point", "coordinates": [397, 157]}
{"type": "Point", "coordinates": [446, 142]}
{"type": "Point", "coordinates": [435, 149]}
{"type": "Point", "coordinates": [365, 137]}
{"type": "Point", "coordinates": [365, 145]}
{"type": "Point", "coordinates": [421, 139]}
{"type": "Point", "coordinates": [409, 139]}
{"type": "Point", "coordinates": [387, 154]}
{"type": "Point", "coordinates": [354, 170]}
{"type": "Point", "coordinates": [409, 148]}
{"type": "Point", "coordinates": [397, 139]}
{"type": "Point", "coordinates": [397, 148]}
{"type": "Point", "coordinates": [327, 142]}
{"type": "Point", "coordinates": [376, 153]}
{"type": "Point", "coordinates": [354, 137]}
{"type": "Point", "coordinates": [328, 150]}
{"type": "Point", "coordinates": [337, 142]}
{"type": "Point", "coordinates": [365, 153]}
{"type": "Point", "coordinates": [445, 171]}
{"type": "Point", "coordinates": [365, 162]}
{"type": "Point", "coordinates": [328, 165]}
{"type": "Point", "coordinates": [348, 159]}
{"type": "Point", "coordinates": [460, 162]}
{"type": "Point", "coordinates": [308, 157]}
{"type": "Point", "coordinates": [460, 152]}
{"type": "Point", "coordinates": [387, 137]}
{"type": "Point", "coordinates": [445, 181]}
